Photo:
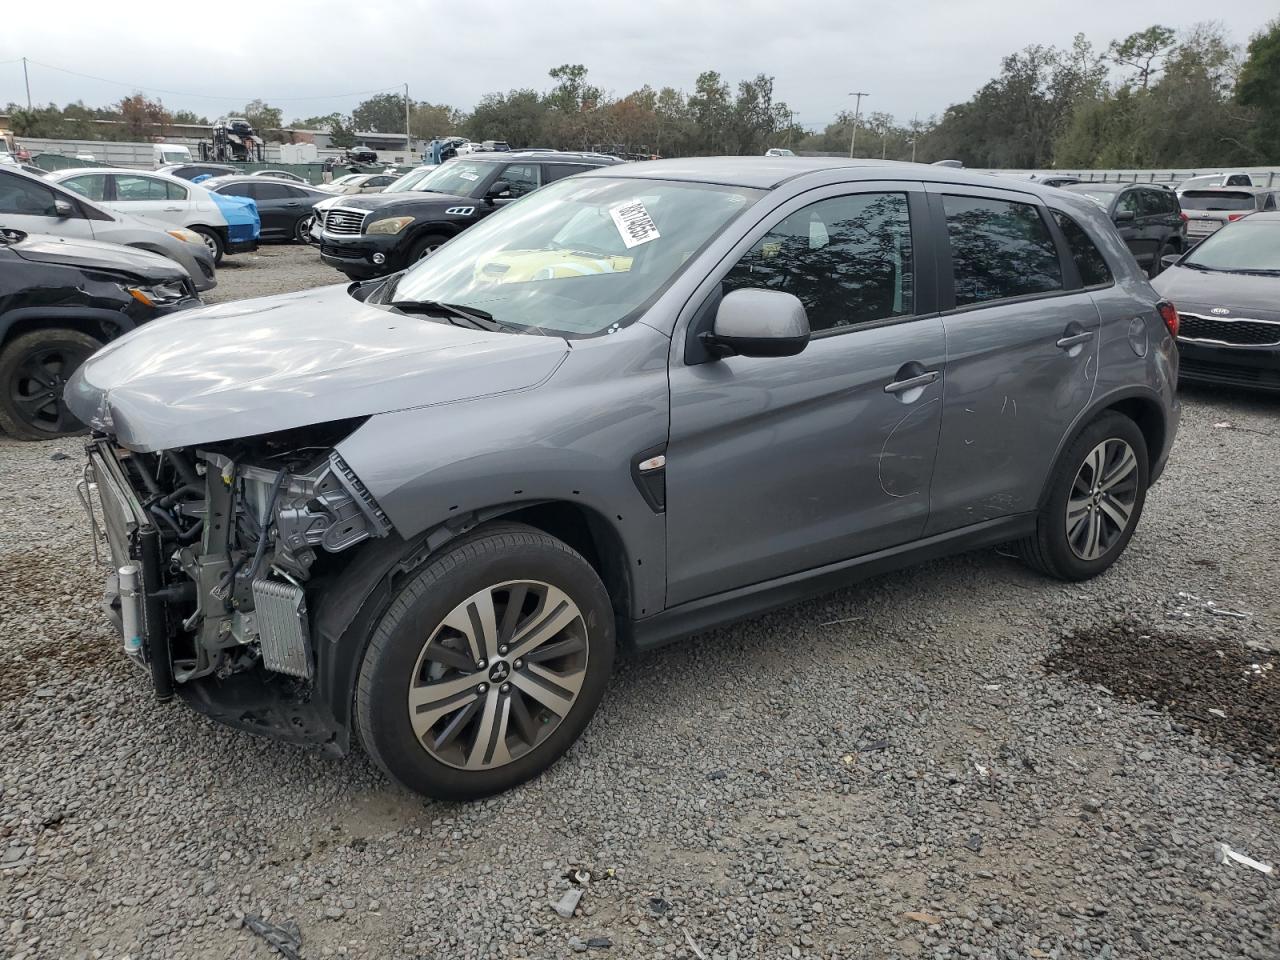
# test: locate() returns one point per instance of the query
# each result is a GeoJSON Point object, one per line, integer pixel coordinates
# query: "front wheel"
{"type": "Point", "coordinates": [487, 664]}
{"type": "Point", "coordinates": [426, 246]}
{"type": "Point", "coordinates": [1095, 499]}
{"type": "Point", "coordinates": [34, 369]}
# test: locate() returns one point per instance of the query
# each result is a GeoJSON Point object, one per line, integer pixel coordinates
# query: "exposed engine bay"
{"type": "Point", "coordinates": [213, 547]}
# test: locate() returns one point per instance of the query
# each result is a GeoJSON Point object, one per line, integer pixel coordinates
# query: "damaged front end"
{"type": "Point", "coordinates": [213, 550]}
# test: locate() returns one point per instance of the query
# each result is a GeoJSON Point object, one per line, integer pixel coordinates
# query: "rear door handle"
{"type": "Point", "coordinates": [1066, 343]}
{"type": "Point", "coordinates": [172, 209]}
{"type": "Point", "coordinates": [924, 379]}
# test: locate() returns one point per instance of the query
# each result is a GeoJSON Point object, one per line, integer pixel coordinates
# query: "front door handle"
{"type": "Point", "coordinates": [899, 386]}
{"type": "Point", "coordinates": [1074, 340]}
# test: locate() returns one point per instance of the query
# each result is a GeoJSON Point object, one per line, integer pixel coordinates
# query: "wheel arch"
{"type": "Point", "coordinates": [355, 594]}
{"type": "Point", "coordinates": [101, 324]}
{"type": "Point", "coordinates": [1143, 407]}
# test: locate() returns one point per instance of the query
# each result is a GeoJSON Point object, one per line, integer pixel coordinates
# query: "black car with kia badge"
{"type": "Point", "coordinates": [373, 235]}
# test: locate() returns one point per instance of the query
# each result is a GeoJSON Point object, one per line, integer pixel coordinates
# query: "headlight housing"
{"type": "Point", "coordinates": [186, 236]}
{"type": "Point", "coordinates": [391, 225]}
{"type": "Point", "coordinates": [159, 294]}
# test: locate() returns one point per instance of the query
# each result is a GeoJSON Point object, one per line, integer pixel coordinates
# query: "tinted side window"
{"type": "Point", "coordinates": [18, 195]}
{"type": "Point", "coordinates": [558, 171]}
{"type": "Point", "coordinates": [236, 190]}
{"type": "Point", "coordinates": [269, 191]}
{"type": "Point", "coordinates": [1270, 203]}
{"type": "Point", "coordinates": [1238, 180]}
{"type": "Point", "coordinates": [1129, 201]}
{"type": "Point", "coordinates": [1093, 268]}
{"type": "Point", "coordinates": [139, 188]}
{"type": "Point", "coordinates": [999, 249]}
{"type": "Point", "coordinates": [848, 259]}
{"type": "Point", "coordinates": [175, 192]}
{"type": "Point", "coordinates": [521, 178]}
{"type": "Point", "coordinates": [91, 185]}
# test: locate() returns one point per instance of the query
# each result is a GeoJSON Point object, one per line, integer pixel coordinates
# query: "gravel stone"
{"type": "Point", "coordinates": [865, 738]}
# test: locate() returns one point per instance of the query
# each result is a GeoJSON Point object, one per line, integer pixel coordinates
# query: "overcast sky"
{"type": "Point", "coordinates": [316, 57]}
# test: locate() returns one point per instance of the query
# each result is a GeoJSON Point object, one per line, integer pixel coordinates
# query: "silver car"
{"type": "Point", "coordinates": [38, 206]}
{"type": "Point", "coordinates": [422, 512]}
{"type": "Point", "coordinates": [1209, 209]}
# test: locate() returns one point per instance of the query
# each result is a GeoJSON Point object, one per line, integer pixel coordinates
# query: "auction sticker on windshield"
{"type": "Point", "coordinates": [634, 223]}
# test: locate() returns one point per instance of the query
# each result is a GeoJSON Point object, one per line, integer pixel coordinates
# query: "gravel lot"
{"type": "Point", "coordinates": [929, 764]}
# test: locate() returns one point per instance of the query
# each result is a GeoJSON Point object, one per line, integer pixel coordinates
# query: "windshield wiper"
{"type": "Point", "coordinates": [458, 316]}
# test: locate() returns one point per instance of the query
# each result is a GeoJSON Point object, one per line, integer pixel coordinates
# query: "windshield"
{"type": "Point", "coordinates": [1247, 246]}
{"type": "Point", "coordinates": [1217, 200]}
{"type": "Point", "coordinates": [580, 257]}
{"type": "Point", "coordinates": [458, 177]}
{"type": "Point", "coordinates": [175, 156]}
{"type": "Point", "coordinates": [409, 181]}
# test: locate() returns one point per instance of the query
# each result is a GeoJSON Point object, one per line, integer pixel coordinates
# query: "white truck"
{"type": "Point", "coordinates": [163, 154]}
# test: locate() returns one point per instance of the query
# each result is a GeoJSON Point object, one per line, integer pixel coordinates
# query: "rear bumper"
{"type": "Point", "coordinates": [1254, 368]}
{"type": "Point", "coordinates": [242, 246]}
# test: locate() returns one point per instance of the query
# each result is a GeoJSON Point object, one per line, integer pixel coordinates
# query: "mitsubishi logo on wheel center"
{"type": "Point", "coordinates": [499, 671]}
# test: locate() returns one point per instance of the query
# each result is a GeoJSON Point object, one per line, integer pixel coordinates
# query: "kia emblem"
{"type": "Point", "coordinates": [1220, 311]}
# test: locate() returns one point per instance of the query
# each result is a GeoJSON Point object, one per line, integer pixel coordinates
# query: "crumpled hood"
{"type": "Point", "coordinates": [39, 248]}
{"type": "Point", "coordinates": [1242, 294]}
{"type": "Point", "coordinates": [257, 366]}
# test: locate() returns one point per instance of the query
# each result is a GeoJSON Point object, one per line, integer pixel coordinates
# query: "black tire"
{"type": "Point", "coordinates": [213, 241]}
{"type": "Point", "coordinates": [424, 246]}
{"type": "Point", "coordinates": [34, 368]}
{"type": "Point", "coordinates": [302, 230]}
{"type": "Point", "coordinates": [1049, 549]}
{"type": "Point", "coordinates": [489, 556]}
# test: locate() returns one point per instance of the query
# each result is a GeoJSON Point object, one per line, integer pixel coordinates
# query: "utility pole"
{"type": "Point", "coordinates": [912, 141]}
{"type": "Point", "coordinates": [408, 140]}
{"type": "Point", "coordinates": [791, 123]}
{"type": "Point", "coordinates": [26, 79]}
{"type": "Point", "coordinates": [857, 113]}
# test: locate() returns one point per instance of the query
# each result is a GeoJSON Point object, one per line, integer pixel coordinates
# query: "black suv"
{"type": "Point", "coordinates": [372, 235]}
{"type": "Point", "coordinates": [1148, 217]}
{"type": "Point", "coordinates": [60, 300]}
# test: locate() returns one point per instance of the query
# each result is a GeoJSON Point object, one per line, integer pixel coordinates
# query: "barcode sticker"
{"type": "Point", "coordinates": [634, 224]}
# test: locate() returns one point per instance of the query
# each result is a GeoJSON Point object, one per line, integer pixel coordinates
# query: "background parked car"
{"type": "Point", "coordinates": [227, 226]}
{"type": "Point", "coordinates": [1211, 208]}
{"type": "Point", "coordinates": [60, 300]}
{"type": "Point", "coordinates": [281, 175]}
{"type": "Point", "coordinates": [285, 208]}
{"type": "Point", "coordinates": [1238, 179]}
{"type": "Point", "coordinates": [1228, 294]}
{"type": "Point", "coordinates": [361, 183]}
{"type": "Point", "coordinates": [779, 152]}
{"type": "Point", "coordinates": [36, 205]}
{"type": "Point", "coordinates": [189, 171]}
{"type": "Point", "coordinates": [371, 236]}
{"type": "Point", "coordinates": [1148, 218]}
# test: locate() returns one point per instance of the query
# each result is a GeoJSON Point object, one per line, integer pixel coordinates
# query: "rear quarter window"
{"type": "Point", "coordinates": [1000, 249]}
{"type": "Point", "coordinates": [1089, 260]}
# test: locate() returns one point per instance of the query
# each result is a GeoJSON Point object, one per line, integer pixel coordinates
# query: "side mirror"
{"type": "Point", "coordinates": [758, 323]}
{"type": "Point", "coordinates": [63, 208]}
{"type": "Point", "coordinates": [1123, 216]}
{"type": "Point", "coordinates": [499, 189]}
{"type": "Point", "coordinates": [1169, 259]}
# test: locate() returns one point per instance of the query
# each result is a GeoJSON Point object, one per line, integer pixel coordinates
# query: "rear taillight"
{"type": "Point", "coordinates": [1233, 217]}
{"type": "Point", "coordinates": [1185, 218]}
{"type": "Point", "coordinates": [1169, 314]}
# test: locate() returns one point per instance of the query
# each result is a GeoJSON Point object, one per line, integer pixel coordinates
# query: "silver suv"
{"type": "Point", "coordinates": [423, 511]}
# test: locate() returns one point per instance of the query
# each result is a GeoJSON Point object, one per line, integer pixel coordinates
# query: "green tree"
{"type": "Point", "coordinates": [381, 114]}
{"type": "Point", "coordinates": [1142, 52]}
{"type": "Point", "coordinates": [262, 117]}
{"type": "Point", "coordinates": [142, 119]}
{"type": "Point", "coordinates": [515, 116]}
{"type": "Point", "coordinates": [1259, 90]}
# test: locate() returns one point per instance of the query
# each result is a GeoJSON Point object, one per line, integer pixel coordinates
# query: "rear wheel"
{"type": "Point", "coordinates": [34, 369]}
{"type": "Point", "coordinates": [302, 230]}
{"type": "Point", "coordinates": [487, 664]}
{"type": "Point", "coordinates": [1096, 495]}
{"type": "Point", "coordinates": [212, 241]}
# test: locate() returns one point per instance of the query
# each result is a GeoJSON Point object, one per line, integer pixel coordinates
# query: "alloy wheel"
{"type": "Point", "coordinates": [1102, 500]}
{"type": "Point", "coordinates": [210, 244]}
{"type": "Point", "coordinates": [498, 674]}
{"type": "Point", "coordinates": [37, 384]}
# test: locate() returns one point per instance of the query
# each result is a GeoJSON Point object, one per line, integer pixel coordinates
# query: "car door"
{"type": "Point", "coordinates": [145, 196]}
{"type": "Point", "coordinates": [277, 206]}
{"type": "Point", "coordinates": [521, 178]}
{"type": "Point", "coordinates": [1127, 216]}
{"type": "Point", "coordinates": [1022, 346]}
{"type": "Point", "coordinates": [28, 205]}
{"type": "Point", "coordinates": [783, 464]}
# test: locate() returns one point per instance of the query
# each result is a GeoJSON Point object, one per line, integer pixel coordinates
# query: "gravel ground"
{"type": "Point", "coordinates": [890, 771]}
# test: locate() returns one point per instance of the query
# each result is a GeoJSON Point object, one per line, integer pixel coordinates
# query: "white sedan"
{"type": "Point", "coordinates": [227, 224]}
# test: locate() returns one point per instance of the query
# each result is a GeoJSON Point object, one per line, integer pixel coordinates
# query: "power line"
{"type": "Point", "coordinates": [205, 96]}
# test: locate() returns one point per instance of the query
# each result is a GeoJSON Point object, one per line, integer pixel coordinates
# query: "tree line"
{"type": "Point", "coordinates": [1156, 98]}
